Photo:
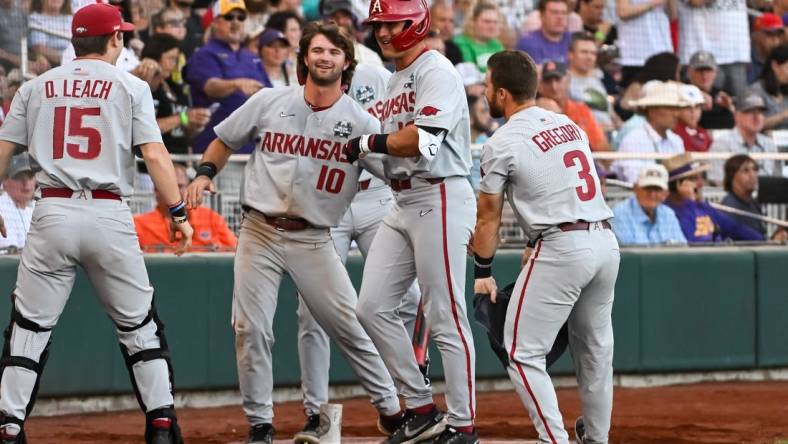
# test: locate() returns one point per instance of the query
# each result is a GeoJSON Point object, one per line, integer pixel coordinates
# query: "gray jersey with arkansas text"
{"type": "Point", "coordinates": [429, 93]}
{"type": "Point", "coordinates": [543, 162]}
{"type": "Point", "coordinates": [298, 167]}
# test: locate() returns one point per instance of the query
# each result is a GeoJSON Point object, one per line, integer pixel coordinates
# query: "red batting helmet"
{"type": "Point", "coordinates": [414, 11]}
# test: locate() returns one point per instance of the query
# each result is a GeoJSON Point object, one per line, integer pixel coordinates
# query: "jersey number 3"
{"type": "Point", "coordinates": [589, 191]}
{"type": "Point", "coordinates": [75, 129]}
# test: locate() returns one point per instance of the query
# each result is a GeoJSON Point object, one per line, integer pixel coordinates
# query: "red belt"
{"type": "Point", "coordinates": [69, 193]}
{"type": "Point", "coordinates": [364, 184]}
{"type": "Point", "coordinates": [405, 184]}
{"type": "Point", "coordinates": [582, 225]}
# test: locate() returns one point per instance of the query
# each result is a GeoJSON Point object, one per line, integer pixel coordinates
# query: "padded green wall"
{"type": "Point", "coordinates": [675, 310]}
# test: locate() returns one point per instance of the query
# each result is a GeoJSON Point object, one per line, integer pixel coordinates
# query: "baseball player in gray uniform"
{"type": "Point", "coordinates": [80, 122]}
{"type": "Point", "coordinates": [297, 184]}
{"type": "Point", "coordinates": [426, 157]}
{"type": "Point", "coordinates": [542, 163]}
{"type": "Point", "coordinates": [360, 223]}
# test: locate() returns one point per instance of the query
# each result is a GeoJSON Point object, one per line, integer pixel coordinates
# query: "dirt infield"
{"type": "Point", "coordinates": [703, 413]}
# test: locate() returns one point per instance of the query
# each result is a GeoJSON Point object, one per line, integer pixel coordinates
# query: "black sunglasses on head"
{"type": "Point", "coordinates": [231, 17]}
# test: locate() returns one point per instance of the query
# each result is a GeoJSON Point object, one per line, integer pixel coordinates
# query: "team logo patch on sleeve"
{"type": "Point", "coordinates": [428, 111]}
{"type": "Point", "coordinates": [343, 129]}
{"type": "Point", "coordinates": [365, 94]}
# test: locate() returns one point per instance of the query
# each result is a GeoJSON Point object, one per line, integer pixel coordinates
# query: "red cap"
{"type": "Point", "coordinates": [768, 22]}
{"type": "Point", "coordinates": [98, 19]}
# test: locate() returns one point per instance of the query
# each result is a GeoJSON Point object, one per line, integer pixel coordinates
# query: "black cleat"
{"type": "Point", "coordinates": [416, 428]}
{"type": "Point", "coordinates": [452, 436]}
{"type": "Point", "coordinates": [387, 425]}
{"type": "Point", "coordinates": [312, 431]}
{"type": "Point", "coordinates": [261, 434]}
{"type": "Point", "coordinates": [580, 430]}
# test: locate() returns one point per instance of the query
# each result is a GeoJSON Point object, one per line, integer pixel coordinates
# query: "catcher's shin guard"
{"type": "Point", "coordinates": [25, 352]}
{"type": "Point", "coordinates": [147, 357]}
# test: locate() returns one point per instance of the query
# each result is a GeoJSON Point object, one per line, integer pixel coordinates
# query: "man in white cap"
{"type": "Point", "coordinates": [660, 105]}
{"type": "Point", "coordinates": [644, 219]}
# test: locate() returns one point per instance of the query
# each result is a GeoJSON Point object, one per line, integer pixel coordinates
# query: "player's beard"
{"type": "Point", "coordinates": [324, 79]}
{"type": "Point", "coordinates": [496, 111]}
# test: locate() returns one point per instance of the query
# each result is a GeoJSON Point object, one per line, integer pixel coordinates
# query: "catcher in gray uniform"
{"type": "Point", "coordinates": [296, 185]}
{"type": "Point", "coordinates": [80, 122]}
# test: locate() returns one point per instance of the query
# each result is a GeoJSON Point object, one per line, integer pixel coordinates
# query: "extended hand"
{"type": "Point", "coordinates": [353, 150]}
{"type": "Point", "coordinates": [194, 192]}
{"type": "Point", "coordinates": [185, 237]}
{"type": "Point", "coordinates": [486, 286]}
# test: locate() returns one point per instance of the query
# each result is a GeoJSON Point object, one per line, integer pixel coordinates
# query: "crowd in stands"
{"type": "Point", "coordinates": [638, 76]}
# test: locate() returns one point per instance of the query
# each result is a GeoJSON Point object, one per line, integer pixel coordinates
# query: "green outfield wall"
{"type": "Point", "coordinates": [676, 310]}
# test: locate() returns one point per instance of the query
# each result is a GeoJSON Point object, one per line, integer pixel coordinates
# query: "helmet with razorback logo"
{"type": "Point", "coordinates": [414, 11]}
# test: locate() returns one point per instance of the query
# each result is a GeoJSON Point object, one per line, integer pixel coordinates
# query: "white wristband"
{"type": "Point", "coordinates": [363, 144]}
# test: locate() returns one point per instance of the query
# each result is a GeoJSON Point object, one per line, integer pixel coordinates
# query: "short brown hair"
{"type": "Point", "coordinates": [336, 35]}
{"type": "Point", "coordinates": [581, 36]}
{"type": "Point", "coordinates": [515, 72]}
{"type": "Point", "coordinates": [543, 4]}
{"type": "Point", "coordinates": [732, 166]}
{"type": "Point", "coordinates": [91, 45]}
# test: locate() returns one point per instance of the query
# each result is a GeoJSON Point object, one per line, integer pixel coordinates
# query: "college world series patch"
{"type": "Point", "coordinates": [365, 94]}
{"type": "Point", "coordinates": [343, 129]}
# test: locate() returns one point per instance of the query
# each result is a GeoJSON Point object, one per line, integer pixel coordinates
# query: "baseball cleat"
{"type": "Point", "coordinates": [11, 434]}
{"type": "Point", "coordinates": [261, 434]}
{"type": "Point", "coordinates": [452, 436]}
{"type": "Point", "coordinates": [387, 425]}
{"type": "Point", "coordinates": [311, 432]}
{"type": "Point", "coordinates": [580, 430]}
{"type": "Point", "coordinates": [161, 431]}
{"type": "Point", "coordinates": [417, 428]}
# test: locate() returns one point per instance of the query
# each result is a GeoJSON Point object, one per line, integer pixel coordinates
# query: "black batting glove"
{"type": "Point", "coordinates": [353, 150]}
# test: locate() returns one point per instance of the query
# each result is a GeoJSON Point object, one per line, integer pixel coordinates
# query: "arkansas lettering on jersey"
{"type": "Point", "coordinates": [297, 144]}
{"type": "Point", "coordinates": [403, 103]}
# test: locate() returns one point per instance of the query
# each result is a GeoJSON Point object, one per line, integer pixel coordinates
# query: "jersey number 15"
{"type": "Point", "coordinates": [76, 128]}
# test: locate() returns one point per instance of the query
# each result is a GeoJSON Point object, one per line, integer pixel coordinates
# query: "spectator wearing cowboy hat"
{"type": "Point", "coordinates": [746, 138]}
{"type": "Point", "coordinates": [660, 106]}
{"type": "Point", "coordinates": [699, 221]}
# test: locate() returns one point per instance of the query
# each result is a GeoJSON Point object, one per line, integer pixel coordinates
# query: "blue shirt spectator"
{"type": "Point", "coordinates": [541, 49]}
{"type": "Point", "coordinates": [634, 227]}
{"type": "Point", "coordinates": [218, 60]}
{"type": "Point", "coordinates": [223, 72]}
{"type": "Point", "coordinates": [644, 219]}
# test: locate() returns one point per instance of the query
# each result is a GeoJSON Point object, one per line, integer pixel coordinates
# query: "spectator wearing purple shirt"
{"type": "Point", "coordinates": [551, 42]}
{"type": "Point", "coordinates": [223, 71]}
{"type": "Point", "coordinates": [699, 221]}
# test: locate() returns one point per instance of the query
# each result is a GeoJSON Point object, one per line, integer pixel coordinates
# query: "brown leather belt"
{"type": "Point", "coordinates": [405, 184]}
{"type": "Point", "coordinates": [364, 184]}
{"type": "Point", "coordinates": [69, 193]}
{"type": "Point", "coordinates": [282, 223]}
{"type": "Point", "coordinates": [582, 225]}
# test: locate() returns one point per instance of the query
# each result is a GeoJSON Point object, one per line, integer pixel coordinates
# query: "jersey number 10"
{"type": "Point", "coordinates": [75, 129]}
{"type": "Point", "coordinates": [584, 173]}
{"type": "Point", "coordinates": [330, 180]}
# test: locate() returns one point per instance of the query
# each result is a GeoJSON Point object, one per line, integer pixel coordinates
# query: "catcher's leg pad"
{"type": "Point", "coordinates": [25, 352]}
{"type": "Point", "coordinates": [147, 357]}
{"type": "Point", "coordinates": [151, 427]}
